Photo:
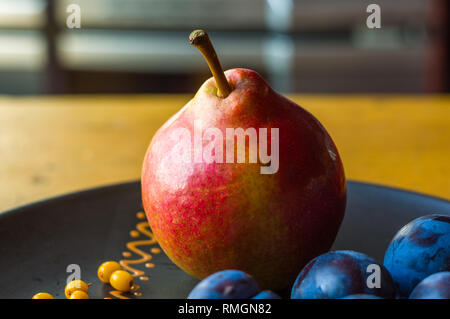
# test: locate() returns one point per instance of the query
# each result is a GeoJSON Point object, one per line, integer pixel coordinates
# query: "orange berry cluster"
{"type": "Point", "coordinates": [109, 272]}
{"type": "Point", "coordinates": [76, 289]}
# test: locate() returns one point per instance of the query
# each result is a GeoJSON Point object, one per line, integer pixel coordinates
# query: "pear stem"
{"type": "Point", "coordinates": [200, 40]}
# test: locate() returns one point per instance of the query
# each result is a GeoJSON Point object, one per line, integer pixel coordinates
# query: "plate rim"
{"type": "Point", "coordinates": [129, 183]}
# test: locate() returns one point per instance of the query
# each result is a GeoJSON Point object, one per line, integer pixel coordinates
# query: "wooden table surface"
{"type": "Point", "coordinates": [55, 145]}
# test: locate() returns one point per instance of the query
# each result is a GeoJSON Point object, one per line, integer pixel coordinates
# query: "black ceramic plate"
{"type": "Point", "coordinates": [39, 241]}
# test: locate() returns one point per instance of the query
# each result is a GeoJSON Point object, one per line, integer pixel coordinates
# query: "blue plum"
{"type": "Point", "coordinates": [419, 249]}
{"type": "Point", "coordinates": [362, 296]}
{"type": "Point", "coordinates": [436, 286]}
{"type": "Point", "coordinates": [341, 273]}
{"type": "Point", "coordinates": [226, 284]}
{"type": "Point", "coordinates": [266, 294]}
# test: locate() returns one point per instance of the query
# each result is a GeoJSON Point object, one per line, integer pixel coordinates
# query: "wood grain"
{"type": "Point", "coordinates": [55, 145]}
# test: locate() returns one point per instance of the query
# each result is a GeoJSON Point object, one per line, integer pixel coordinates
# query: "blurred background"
{"type": "Point", "coordinates": [141, 46]}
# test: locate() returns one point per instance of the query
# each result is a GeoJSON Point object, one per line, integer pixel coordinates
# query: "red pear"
{"type": "Point", "coordinates": [213, 204]}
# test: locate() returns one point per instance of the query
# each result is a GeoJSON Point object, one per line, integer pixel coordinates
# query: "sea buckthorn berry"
{"type": "Point", "coordinates": [76, 285]}
{"type": "Point", "coordinates": [79, 294]}
{"type": "Point", "coordinates": [121, 280]}
{"type": "Point", "coordinates": [42, 295]}
{"type": "Point", "coordinates": [106, 269]}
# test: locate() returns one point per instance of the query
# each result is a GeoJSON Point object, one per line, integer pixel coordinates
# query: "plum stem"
{"type": "Point", "coordinates": [200, 40]}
